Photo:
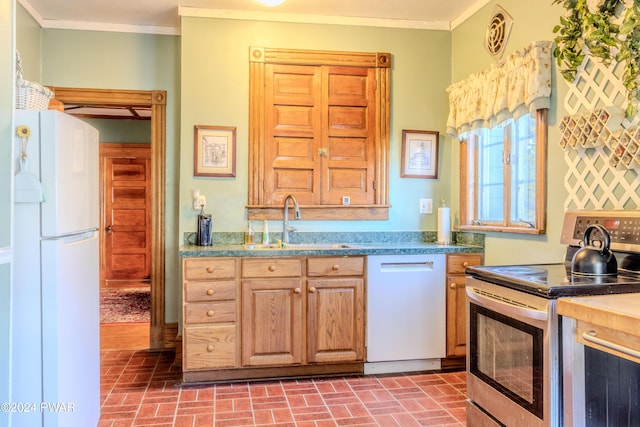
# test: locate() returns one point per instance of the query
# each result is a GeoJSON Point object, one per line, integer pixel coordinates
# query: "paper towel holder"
{"type": "Point", "coordinates": [444, 224]}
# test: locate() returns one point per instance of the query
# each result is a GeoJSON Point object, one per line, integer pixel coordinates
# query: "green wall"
{"type": "Point", "coordinates": [215, 91]}
{"type": "Point", "coordinates": [123, 131]}
{"type": "Point", "coordinates": [469, 56]}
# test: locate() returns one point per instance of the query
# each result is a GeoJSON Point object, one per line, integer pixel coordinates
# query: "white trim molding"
{"type": "Point", "coordinates": [311, 19]}
{"type": "Point", "coordinates": [253, 16]}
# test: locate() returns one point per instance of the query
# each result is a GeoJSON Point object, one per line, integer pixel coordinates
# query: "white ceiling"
{"type": "Point", "coordinates": [162, 16]}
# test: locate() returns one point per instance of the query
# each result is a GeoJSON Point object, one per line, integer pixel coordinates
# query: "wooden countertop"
{"type": "Point", "coordinates": [619, 312]}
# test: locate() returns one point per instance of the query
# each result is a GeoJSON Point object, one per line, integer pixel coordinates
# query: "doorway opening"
{"type": "Point", "coordinates": [125, 245]}
{"type": "Point", "coordinates": [160, 336]}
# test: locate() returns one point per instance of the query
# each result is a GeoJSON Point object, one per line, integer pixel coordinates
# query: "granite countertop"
{"type": "Point", "coordinates": [342, 244]}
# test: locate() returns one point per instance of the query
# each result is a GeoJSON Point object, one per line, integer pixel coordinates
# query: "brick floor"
{"type": "Point", "coordinates": [142, 388]}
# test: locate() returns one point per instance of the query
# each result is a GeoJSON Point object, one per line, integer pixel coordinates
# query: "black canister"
{"type": "Point", "coordinates": [203, 235]}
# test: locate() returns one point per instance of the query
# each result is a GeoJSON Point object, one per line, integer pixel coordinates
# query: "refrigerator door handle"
{"type": "Point", "coordinates": [75, 237]}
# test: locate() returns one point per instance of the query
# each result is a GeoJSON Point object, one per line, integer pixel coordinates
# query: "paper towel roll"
{"type": "Point", "coordinates": [444, 226]}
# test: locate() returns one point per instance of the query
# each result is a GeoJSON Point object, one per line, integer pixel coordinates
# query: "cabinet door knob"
{"type": "Point", "coordinates": [210, 313]}
{"type": "Point", "coordinates": [209, 269]}
{"type": "Point", "coordinates": [312, 290]}
{"type": "Point", "coordinates": [272, 267]}
{"type": "Point", "coordinates": [209, 348]}
{"type": "Point", "coordinates": [297, 291]}
{"type": "Point", "coordinates": [452, 285]}
{"type": "Point", "coordinates": [209, 291]}
{"type": "Point", "coordinates": [335, 267]}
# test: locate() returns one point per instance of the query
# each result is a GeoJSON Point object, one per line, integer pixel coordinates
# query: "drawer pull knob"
{"type": "Point", "coordinates": [452, 285]}
{"type": "Point", "coordinates": [297, 291]}
{"type": "Point", "coordinates": [272, 267]}
{"type": "Point", "coordinates": [209, 269]}
{"type": "Point", "coordinates": [210, 313]}
{"type": "Point", "coordinates": [335, 267]}
{"type": "Point", "coordinates": [312, 290]}
{"type": "Point", "coordinates": [465, 264]}
{"type": "Point", "coordinates": [209, 348]}
{"type": "Point", "coordinates": [209, 291]}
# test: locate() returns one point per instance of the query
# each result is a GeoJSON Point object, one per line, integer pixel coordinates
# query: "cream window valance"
{"type": "Point", "coordinates": [519, 84]}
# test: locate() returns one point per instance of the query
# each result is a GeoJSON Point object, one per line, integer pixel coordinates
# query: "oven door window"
{"type": "Point", "coordinates": [506, 354]}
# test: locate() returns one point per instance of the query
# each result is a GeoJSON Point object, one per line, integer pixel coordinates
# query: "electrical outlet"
{"type": "Point", "coordinates": [199, 203]}
{"type": "Point", "coordinates": [426, 206]}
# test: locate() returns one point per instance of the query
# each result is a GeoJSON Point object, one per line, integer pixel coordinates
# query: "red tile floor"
{"type": "Point", "coordinates": [142, 388]}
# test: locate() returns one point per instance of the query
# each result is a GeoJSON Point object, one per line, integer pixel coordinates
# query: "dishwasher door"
{"type": "Point", "coordinates": [406, 307]}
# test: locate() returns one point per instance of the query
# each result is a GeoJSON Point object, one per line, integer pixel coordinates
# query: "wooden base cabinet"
{"type": "Point", "coordinates": [335, 310]}
{"type": "Point", "coordinates": [292, 321]}
{"type": "Point", "coordinates": [288, 317]}
{"type": "Point", "coordinates": [271, 311]}
{"type": "Point", "coordinates": [456, 302]}
{"type": "Point", "coordinates": [211, 338]}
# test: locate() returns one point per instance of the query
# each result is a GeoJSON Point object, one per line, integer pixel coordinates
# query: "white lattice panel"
{"type": "Point", "coordinates": [592, 184]}
{"type": "Point", "coordinates": [592, 181]}
{"type": "Point", "coordinates": [596, 86]}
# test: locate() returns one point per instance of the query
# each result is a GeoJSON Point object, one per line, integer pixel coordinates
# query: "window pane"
{"type": "Point", "coordinates": [523, 170]}
{"type": "Point", "coordinates": [491, 175]}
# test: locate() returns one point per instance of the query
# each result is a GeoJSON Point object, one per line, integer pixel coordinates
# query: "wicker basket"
{"type": "Point", "coordinates": [32, 96]}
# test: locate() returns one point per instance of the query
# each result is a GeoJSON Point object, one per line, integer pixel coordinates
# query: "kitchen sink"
{"type": "Point", "coordinates": [298, 246]}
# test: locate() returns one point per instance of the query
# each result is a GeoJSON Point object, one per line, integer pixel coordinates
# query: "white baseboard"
{"type": "Point", "coordinates": [395, 366]}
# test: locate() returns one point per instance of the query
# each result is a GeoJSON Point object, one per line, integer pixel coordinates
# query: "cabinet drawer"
{"type": "Point", "coordinates": [272, 267]}
{"type": "Point", "coordinates": [210, 291]}
{"type": "Point", "coordinates": [456, 264]}
{"type": "Point", "coordinates": [335, 266]}
{"type": "Point", "coordinates": [214, 312]}
{"type": "Point", "coordinates": [209, 347]}
{"type": "Point", "coordinates": [209, 268]}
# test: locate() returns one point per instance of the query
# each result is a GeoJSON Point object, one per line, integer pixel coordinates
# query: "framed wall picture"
{"type": "Point", "coordinates": [214, 151]}
{"type": "Point", "coordinates": [419, 154]}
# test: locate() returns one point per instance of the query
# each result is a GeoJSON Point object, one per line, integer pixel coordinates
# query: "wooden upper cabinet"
{"type": "Point", "coordinates": [319, 129]}
{"type": "Point", "coordinates": [293, 133]}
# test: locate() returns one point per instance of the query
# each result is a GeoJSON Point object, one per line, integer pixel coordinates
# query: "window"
{"type": "Point", "coordinates": [503, 170]}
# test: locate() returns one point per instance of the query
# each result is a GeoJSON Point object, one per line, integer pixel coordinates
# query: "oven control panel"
{"type": "Point", "coordinates": [623, 227]}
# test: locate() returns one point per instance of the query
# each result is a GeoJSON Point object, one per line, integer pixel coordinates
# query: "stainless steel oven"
{"type": "Point", "coordinates": [514, 368]}
{"type": "Point", "coordinates": [512, 361]}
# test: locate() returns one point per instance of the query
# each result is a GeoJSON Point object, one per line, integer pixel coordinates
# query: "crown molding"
{"type": "Point", "coordinates": [195, 12]}
{"type": "Point", "coordinates": [104, 26]}
{"type": "Point", "coordinates": [456, 22]}
{"type": "Point", "coordinates": [253, 16]}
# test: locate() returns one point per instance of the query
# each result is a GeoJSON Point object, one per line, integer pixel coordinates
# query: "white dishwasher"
{"type": "Point", "coordinates": [406, 313]}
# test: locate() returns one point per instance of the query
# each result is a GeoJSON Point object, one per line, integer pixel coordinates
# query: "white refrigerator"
{"type": "Point", "coordinates": [55, 344]}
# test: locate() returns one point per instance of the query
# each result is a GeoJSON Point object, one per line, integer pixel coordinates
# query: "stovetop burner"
{"type": "Point", "coordinates": [554, 280]}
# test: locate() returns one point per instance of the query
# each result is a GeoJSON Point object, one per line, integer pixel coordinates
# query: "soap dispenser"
{"type": "Point", "coordinates": [249, 235]}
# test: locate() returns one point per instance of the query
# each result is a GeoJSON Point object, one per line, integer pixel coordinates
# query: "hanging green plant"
{"type": "Point", "coordinates": [604, 29]}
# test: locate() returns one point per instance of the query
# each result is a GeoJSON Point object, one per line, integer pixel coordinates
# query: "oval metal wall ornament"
{"type": "Point", "coordinates": [498, 32]}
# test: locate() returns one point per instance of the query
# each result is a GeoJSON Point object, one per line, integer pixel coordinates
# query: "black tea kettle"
{"type": "Point", "coordinates": [595, 260]}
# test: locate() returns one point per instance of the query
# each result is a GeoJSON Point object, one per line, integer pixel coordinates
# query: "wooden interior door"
{"type": "Point", "coordinates": [126, 215]}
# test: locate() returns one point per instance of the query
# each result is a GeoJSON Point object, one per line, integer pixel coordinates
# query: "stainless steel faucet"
{"type": "Point", "coordinates": [285, 221]}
